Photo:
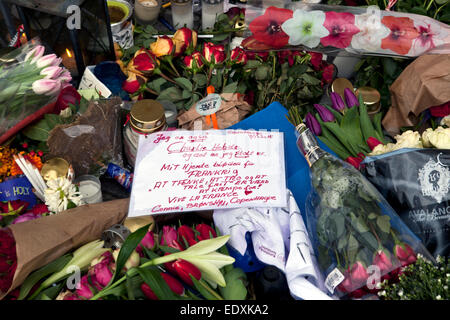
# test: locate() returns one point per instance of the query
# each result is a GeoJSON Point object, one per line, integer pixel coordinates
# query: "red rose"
{"type": "Point", "coordinates": [327, 74]}
{"type": "Point", "coordinates": [39, 209]}
{"type": "Point", "coordinates": [68, 95]}
{"type": "Point", "coordinates": [440, 111]}
{"type": "Point", "coordinates": [316, 60]}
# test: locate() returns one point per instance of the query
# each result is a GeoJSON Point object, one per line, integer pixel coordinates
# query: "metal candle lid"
{"type": "Point", "coordinates": [339, 85]}
{"type": "Point", "coordinates": [147, 115]}
{"type": "Point", "coordinates": [370, 96]}
{"type": "Point", "coordinates": [54, 168]}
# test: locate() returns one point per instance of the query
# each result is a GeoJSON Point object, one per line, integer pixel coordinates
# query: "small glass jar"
{"type": "Point", "coordinates": [210, 10]}
{"type": "Point", "coordinates": [147, 11]}
{"type": "Point", "coordinates": [90, 188]}
{"type": "Point", "coordinates": [146, 117]}
{"type": "Point", "coordinates": [182, 14]}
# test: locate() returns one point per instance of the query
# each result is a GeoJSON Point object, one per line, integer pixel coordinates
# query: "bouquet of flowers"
{"type": "Point", "coordinates": [180, 70]}
{"type": "Point", "coordinates": [355, 30]}
{"type": "Point", "coordinates": [29, 80]}
{"type": "Point", "coordinates": [148, 265]}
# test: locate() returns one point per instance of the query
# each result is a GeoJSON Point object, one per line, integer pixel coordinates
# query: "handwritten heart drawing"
{"type": "Point", "coordinates": [247, 192]}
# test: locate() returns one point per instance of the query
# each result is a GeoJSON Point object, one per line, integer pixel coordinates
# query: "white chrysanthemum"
{"type": "Point", "coordinates": [58, 194]}
{"type": "Point", "coordinates": [438, 297]}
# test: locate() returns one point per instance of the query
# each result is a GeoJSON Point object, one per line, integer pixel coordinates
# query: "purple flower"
{"type": "Point", "coordinates": [324, 113]}
{"type": "Point", "coordinates": [350, 98]}
{"type": "Point", "coordinates": [336, 102]}
{"type": "Point", "coordinates": [313, 124]}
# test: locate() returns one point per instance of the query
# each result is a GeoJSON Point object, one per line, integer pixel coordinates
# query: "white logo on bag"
{"type": "Point", "coordinates": [434, 180]}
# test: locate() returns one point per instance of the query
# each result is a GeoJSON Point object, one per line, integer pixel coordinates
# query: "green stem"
{"type": "Point", "coordinates": [429, 5]}
{"type": "Point", "coordinates": [173, 67]}
{"type": "Point", "coordinates": [439, 9]}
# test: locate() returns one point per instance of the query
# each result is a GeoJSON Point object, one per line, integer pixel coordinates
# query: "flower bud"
{"type": "Point", "coordinates": [85, 290]}
{"type": "Point", "coordinates": [163, 46]}
{"type": "Point", "coordinates": [36, 53]}
{"type": "Point", "coordinates": [48, 87]}
{"type": "Point", "coordinates": [193, 61]}
{"type": "Point", "coordinates": [184, 38]}
{"type": "Point", "coordinates": [405, 254]}
{"type": "Point", "coordinates": [313, 124]}
{"type": "Point", "coordinates": [354, 161]}
{"type": "Point", "coordinates": [213, 53]}
{"type": "Point", "coordinates": [206, 232]}
{"type": "Point", "coordinates": [350, 98]}
{"type": "Point", "coordinates": [46, 61]}
{"type": "Point", "coordinates": [186, 235]}
{"type": "Point", "coordinates": [144, 62]}
{"type": "Point", "coordinates": [131, 84]}
{"type": "Point", "coordinates": [185, 269]}
{"type": "Point", "coordinates": [238, 55]}
{"type": "Point", "coordinates": [169, 238]}
{"type": "Point", "coordinates": [383, 261]}
{"type": "Point", "coordinates": [324, 113]}
{"type": "Point", "coordinates": [51, 72]}
{"type": "Point", "coordinates": [373, 142]}
{"type": "Point", "coordinates": [336, 102]}
{"type": "Point", "coordinates": [133, 260]}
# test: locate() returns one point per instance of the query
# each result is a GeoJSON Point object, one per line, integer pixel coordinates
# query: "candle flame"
{"type": "Point", "coordinates": [69, 54]}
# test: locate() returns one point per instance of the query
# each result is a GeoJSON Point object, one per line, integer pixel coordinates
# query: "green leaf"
{"type": "Point", "coordinates": [230, 88]}
{"type": "Point", "coordinates": [389, 66]}
{"type": "Point", "coordinates": [297, 70]}
{"type": "Point", "coordinates": [155, 281]}
{"type": "Point", "coordinates": [172, 94]}
{"type": "Point", "coordinates": [383, 223]}
{"type": "Point", "coordinates": [127, 249]}
{"type": "Point", "coordinates": [157, 84]}
{"type": "Point", "coordinates": [339, 219]}
{"type": "Point", "coordinates": [235, 289]}
{"type": "Point", "coordinates": [310, 79]}
{"type": "Point", "coordinates": [48, 269]}
{"type": "Point", "coordinates": [200, 79]}
{"type": "Point", "coordinates": [370, 241]}
{"type": "Point", "coordinates": [50, 293]}
{"type": "Point", "coordinates": [262, 72]}
{"type": "Point", "coordinates": [204, 289]}
{"type": "Point", "coordinates": [366, 124]}
{"type": "Point", "coordinates": [352, 248]}
{"type": "Point", "coordinates": [129, 287]}
{"type": "Point", "coordinates": [38, 131]}
{"type": "Point", "coordinates": [342, 243]}
{"type": "Point", "coordinates": [251, 64]}
{"type": "Point", "coordinates": [186, 94]}
{"type": "Point", "coordinates": [361, 225]}
{"type": "Point", "coordinates": [419, 10]}
{"type": "Point", "coordinates": [167, 249]}
{"type": "Point", "coordinates": [184, 83]}
{"type": "Point", "coordinates": [372, 215]}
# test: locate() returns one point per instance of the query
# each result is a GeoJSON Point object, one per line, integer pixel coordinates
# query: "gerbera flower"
{"type": "Point", "coordinates": [402, 34]}
{"type": "Point", "coordinates": [341, 26]}
{"type": "Point", "coordinates": [60, 193]}
{"type": "Point", "coordinates": [267, 28]}
{"type": "Point", "coordinates": [305, 28]}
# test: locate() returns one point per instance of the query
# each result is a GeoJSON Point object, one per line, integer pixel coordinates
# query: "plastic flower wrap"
{"type": "Point", "coordinates": [29, 80]}
{"type": "Point", "coordinates": [355, 30]}
{"type": "Point", "coordinates": [358, 238]}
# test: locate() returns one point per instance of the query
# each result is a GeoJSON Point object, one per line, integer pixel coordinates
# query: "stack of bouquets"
{"type": "Point", "coordinates": [359, 239]}
{"type": "Point", "coordinates": [29, 80]}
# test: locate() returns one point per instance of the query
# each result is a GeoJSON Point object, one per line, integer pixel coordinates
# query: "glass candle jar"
{"type": "Point", "coordinates": [147, 11]}
{"type": "Point", "coordinates": [90, 188]}
{"type": "Point", "coordinates": [182, 14]}
{"type": "Point", "coordinates": [210, 10]}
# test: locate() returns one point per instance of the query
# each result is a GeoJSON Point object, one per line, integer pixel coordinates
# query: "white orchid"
{"type": "Point", "coordinates": [305, 28]}
{"type": "Point", "coordinates": [59, 193]}
{"type": "Point", "coordinates": [370, 35]}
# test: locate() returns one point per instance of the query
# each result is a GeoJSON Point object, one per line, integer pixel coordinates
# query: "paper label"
{"type": "Point", "coordinates": [333, 279]}
{"type": "Point", "coordinates": [209, 105]}
{"type": "Point", "coordinates": [17, 189]}
{"type": "Point", "coordinates": [181, 170]}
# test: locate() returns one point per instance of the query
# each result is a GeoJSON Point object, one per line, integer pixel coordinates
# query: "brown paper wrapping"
{"type": "Point", "coordinates": [41, 241]}
{"type": "Point", "coordinates": [232, 110]}
{"type": "Point", "coordinates": [423, 84]}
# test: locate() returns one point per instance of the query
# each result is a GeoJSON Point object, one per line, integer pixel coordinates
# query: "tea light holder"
{"type": "Point", "coordinates": [182, 14]}
{"type": "Point", "coordinates": [147, 11]}
{"type": "Point", "coordinates": [90, 188]}
{"type": "Point", "coordinates": [210, 10]}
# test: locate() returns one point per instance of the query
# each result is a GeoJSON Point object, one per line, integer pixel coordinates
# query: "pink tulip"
{"type": "Point", "coordinates": [48, 87]}
{"type": "Point", "coordinates": [51, 72]}
{"type": "Point", "coordinates": [25, 217]}
{"type": "Point", "coordinates": [382, 260]}
{"type": "Point", "coordinates": [103, 274]}
{"type": "Point", "coordinates": [47, 60]}
{"type": "Point", "coordinates": [36, 53]}
{"type": "Point", "coordinates": [149, 241]}
{"type": "Point", "coordinates": [65, 76]}
{"type": "Point", "coordinates": [169, 238]}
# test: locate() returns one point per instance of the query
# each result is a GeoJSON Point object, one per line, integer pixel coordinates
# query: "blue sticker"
{"type": "Point", "coordinates": [18, 189]}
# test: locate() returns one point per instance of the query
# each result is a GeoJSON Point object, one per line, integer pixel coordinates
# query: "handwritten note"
{"type": "Point", "coordinates": [201, 170]}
